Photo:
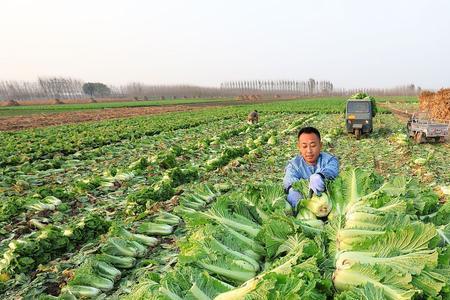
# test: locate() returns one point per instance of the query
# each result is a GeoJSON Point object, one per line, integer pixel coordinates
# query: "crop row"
{"type": "Point", "coordinates": [19, 147]}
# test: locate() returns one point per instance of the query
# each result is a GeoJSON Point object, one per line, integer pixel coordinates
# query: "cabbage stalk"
{"type": "Point", "coordinates": [155, 228]}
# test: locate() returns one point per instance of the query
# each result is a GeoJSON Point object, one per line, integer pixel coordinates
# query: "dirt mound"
{"type": "Point", "coordinates": [436, 104]}
{"type": "Point", "coordinates": [249, 97]}
{"type": "Point", "coordinates": [10, 103]}
{"type": "Point", "coordinates": [92, 100]}
{"type": "Point", "coordinates": [57, 101]}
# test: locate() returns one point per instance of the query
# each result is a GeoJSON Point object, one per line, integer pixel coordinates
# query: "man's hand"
{"type": "Point", "coordinates": [316, 184]}
{"type": "Point", "coordinates": [293, 197]}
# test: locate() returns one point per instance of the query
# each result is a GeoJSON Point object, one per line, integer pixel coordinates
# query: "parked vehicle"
{"type": "Point", "coordinates": [423, 129]}
{"type": "Point", "coordinates": [358, 116]}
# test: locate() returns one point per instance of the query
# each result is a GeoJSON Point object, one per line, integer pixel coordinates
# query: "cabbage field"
{"type": "Point", "coordinates": [190, 205]}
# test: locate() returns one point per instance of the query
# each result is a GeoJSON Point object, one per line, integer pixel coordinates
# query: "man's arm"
{"type": "Point", "coordinates": [331, 169]}
{"type": "Point", "coordinates": [290, 176]}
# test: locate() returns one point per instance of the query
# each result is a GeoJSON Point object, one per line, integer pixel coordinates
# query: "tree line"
{"type": "Point", "coordinates": [55, 88]}
{"type": "Point", "coordinates": [279, 87]}
{"type": "Point", "coordinates": [70, 88]}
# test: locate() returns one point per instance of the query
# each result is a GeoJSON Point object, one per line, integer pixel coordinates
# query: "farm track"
{"type": "Point", "coordinates": [398, 112]}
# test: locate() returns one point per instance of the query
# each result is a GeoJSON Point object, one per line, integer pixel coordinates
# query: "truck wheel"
{"type": "Point", "coordinates": [358, 134]}
{"type": "Point", "coordinates": [418, 137]}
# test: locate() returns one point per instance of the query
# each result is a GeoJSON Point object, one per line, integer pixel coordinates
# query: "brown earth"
{"type": "Point", "coordinates": [62, 101]}
{"type": "Point", "coordinates": [403, 115]}
{"type": "Point", "coordinates": [51, 119]}
{"type": "Point", "coordinates": [9, 103]}
{"type": "Point", "coordinates": [42, 120]}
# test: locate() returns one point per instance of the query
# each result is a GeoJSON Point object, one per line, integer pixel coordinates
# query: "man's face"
{"type": "Point", "coordinates": [309, 146]}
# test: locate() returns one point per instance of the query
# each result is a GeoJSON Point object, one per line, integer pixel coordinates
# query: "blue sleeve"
{"type": "Point", "coordinates": [331, 169]}
{"type": "Point", "coordinates": [290, 175]}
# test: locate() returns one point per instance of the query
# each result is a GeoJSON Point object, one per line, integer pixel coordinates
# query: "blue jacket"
{"type": "Point", "coordinates": [297, 168]}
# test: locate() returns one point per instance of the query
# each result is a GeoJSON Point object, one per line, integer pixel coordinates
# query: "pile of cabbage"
{"type": "Point", "coordinates": [120, 251]}
{"type": "Point", "coordinates": [364, 96]}
{"type": "Point", "coordinates": [381, 240]}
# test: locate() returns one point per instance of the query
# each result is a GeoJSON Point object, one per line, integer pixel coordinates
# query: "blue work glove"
{"type": "Point", "coordinates": [316, 184]}
{"type": "Point", "coordinates": [293, 197]}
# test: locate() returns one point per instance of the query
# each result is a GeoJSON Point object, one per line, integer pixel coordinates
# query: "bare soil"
{"type": "Point", "coordinates": [402, 115]}
{"type": "Point", "coordinates": [62, 101]}
{"type": "Point", "coordinates": [42, 120]}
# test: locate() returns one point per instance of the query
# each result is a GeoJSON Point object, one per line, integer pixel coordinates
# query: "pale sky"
{"type": "Point", "coordinates": [353, 43]}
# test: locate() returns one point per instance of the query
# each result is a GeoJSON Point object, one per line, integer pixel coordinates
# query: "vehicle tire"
{"type": "Point", "coordinates": [358, 133]}
{"type": "Point", "coordinates": [418, 137]}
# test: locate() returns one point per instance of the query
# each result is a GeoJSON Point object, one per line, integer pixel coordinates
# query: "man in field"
{"type": "Point", "coordinates": [311, 164]}
{"type": "Point", "coordinates": [252, 117]}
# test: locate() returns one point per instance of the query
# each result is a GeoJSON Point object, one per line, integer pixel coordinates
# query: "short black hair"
{"type": "Point", "coordinates": [308, 130]}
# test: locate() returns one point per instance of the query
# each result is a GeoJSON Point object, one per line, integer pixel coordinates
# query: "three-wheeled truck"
{"type": "Point", "coordinates": [358, 116]}
{"type": "Point", "coordinates": [423, 129]}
